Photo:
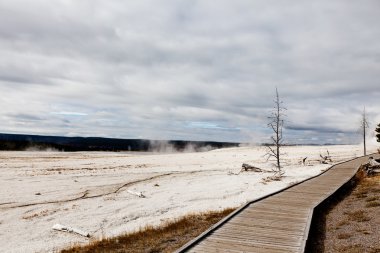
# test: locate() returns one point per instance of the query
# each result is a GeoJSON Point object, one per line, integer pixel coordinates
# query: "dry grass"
{"type": "Point", "coordinates": [167, 238]}
{"type": "Point", "coordinates": [372, 199]}
{"type": "Point", "coordinates": [359, 216]}
{"type": "Point", "coordinates": [350, 249]}
{"type": "Point", "coordinates": [366, 187]}
{"type": "Point", "coordinates": [357, 249]}
{"type": "Point", "coordinates": [361, 194]}
{"type": "Point", "coordinates": [342, 223]}
{"type": "Point", "coordinates": [373, 204]}
{"type": "Point", "coordinates": [344, 236]}
{"type": "Point", "coordinates": [363, 230]}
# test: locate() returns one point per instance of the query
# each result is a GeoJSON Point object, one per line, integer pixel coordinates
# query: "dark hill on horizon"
{"type": "Point", "coordinates": [39, 142]}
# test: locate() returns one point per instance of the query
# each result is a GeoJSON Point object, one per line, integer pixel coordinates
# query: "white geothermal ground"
{"type": "Point", "coordinates": [93, 191]}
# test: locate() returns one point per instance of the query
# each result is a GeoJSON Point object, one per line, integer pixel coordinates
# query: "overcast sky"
{"type": "Point", "coordinates": [194, 70]}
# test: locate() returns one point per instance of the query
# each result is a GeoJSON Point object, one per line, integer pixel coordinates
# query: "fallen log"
{"type": "Point", "coordinates": [138, 194]}
{"type": "Point", "coordinates": [373, 162]}
{"type": "Point", "coordinates": [247, 167]}
{"type": "Point", "coordinates": [371, 170]}
{"type": "Point", "coordinates": [372, 167]}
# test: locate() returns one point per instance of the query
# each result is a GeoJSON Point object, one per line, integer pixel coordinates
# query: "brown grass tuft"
{"type": "Point", "coordinates": [372, 204]}
{"type": "Point", "coordinates": [374, 198]}
{"type": "Point", "coordinates": [166, 238]}
{"type": "Point", "coordinates": [359, 216]}
{"type": "Point", "coordinates": [350, 249]}
{"type": "Point", "coordinates": [342, 223]}
{"type": "Point", "coordinates": [361, 193]}
{"type": "Point", "coordinates": [344, 236]}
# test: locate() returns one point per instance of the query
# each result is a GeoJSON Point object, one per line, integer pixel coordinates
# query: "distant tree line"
{"type": "Point", "coordinates": [36, 142]}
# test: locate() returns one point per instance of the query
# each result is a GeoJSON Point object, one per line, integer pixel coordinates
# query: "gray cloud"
{"type": "Point", "coordinates": [317, 129]}
{"type": "Point", "coordinates": [188, 69]}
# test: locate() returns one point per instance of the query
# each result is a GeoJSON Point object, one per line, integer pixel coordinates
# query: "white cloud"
{"type": "Point", "coordinates": [151, 68]}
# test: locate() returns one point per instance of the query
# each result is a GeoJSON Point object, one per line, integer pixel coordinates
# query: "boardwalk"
{"type": "Point", "coordinates": [277, 223]}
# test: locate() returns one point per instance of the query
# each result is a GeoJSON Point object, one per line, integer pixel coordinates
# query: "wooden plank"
{"type": "Point", "coordinates": [266, 224]}
{"type": "Point", "coordinates": [259, 229]}
{"type": "Point", "coordinates": [255, 236]}
{"type": "Point", "coordinates": [261, 216]}
{"type": "Point", "coordinates": [273, 211]}
{"type": "Point", "coordinates": [210, 247]}
{"type": "Point", "coordinates": [283, 208]}
{"type": "Point", "coordinates": [248, 246]}
{"type": "Point", "coordinates": [293, 203]}
{"type": "Point", "coordinates": [269, 223]}
{"type": "Point", "coordinates": [263, 244]}
{"type": "Point", "coordinates": [201, 248]}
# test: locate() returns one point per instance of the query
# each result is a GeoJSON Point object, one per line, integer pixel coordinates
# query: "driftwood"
{"type": "Point", "coordinates": [371, 170]}
{"type": "Point", "coordinates": [247, 167]}
{"type": "Point", "coordinates": [304, 161]}
{"type": "Point", "coordinates": [63, 228]}
{"type": "Point", "coordinates": [372, 167]}
{"type": "Point", "coordinates": [138, 194]}
{"type": "Point", "coordinates": [326, 158]}
{"type": "Point", "coordinates": [373, 162]}
{"type": "Point", "coordinates": [275, 177]}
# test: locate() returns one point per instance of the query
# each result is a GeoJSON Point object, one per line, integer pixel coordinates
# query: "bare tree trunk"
{"type": "Point", "coordinates": [364, 125]}
{"type": "Point", "coordinates": [364, 135]}
{"type": "Point", "coordinates": [276, 124]}
{"type": "Point", "coordinates": [278, 130]}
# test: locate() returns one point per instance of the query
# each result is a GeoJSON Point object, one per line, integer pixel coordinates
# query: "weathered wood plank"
{"type": "Point", "coordinates": [262, 244]}
{"type": "Point", "coordinates": [260, 229]}
{"type": "Point", "coordinates": [254, 236]}
{"type": "Point", "coordinates": [223, 245]}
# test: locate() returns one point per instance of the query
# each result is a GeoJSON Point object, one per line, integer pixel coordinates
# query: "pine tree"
{"type": "Point", "coordinates": [378, 132]}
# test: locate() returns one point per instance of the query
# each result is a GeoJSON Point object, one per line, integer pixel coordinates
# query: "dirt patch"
{"type": "Point", "coordinates": [353, 225]}
{"type": "Point", "coordinates": [350, 223]}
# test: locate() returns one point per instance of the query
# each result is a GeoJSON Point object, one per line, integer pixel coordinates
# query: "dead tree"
{"type": "Point", "coordinates": [276, 123]}
{"type": "Point", "coordinates": [363, 129]}
{"type": "Point", "coordinates": [326, 158]}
